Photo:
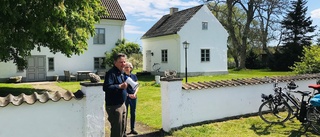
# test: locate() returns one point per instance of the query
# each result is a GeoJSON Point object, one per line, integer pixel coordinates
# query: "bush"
{"type": "Point", "coordinates": [279, 61]}
{"type": "Point", "coordinates": [310, 62]}
{"type": "Point", "coordinates": [253, 61]}
{"type": "Point", "coordinates": [231, 63]}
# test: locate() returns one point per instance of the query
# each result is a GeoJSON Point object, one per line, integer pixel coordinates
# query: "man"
{"type": "Point", "coordinates": [115, 96]}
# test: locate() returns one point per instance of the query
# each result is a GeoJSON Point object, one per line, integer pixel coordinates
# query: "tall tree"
{"type": "Point", "coordinates": [318, 38]}
{"type": "Point", "coordinates": [297, 28]}
{"type": "Point", "coordinates": [269, 14]}
{"type": "Point", "coordinates": [238, 42]}
{"type": "Point", "coordinates": [220, 12]}
{"type": "Point", "coordinates": [62, 26]}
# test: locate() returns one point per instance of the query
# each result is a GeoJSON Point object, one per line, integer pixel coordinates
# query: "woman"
{"type": "Point", "coordinates": [132, 96]}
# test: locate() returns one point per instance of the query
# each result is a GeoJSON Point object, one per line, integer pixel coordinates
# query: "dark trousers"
{"type": "Point", "coordinates": [117, 118]}
{"type": "Point", "coordinates": [132, 104]}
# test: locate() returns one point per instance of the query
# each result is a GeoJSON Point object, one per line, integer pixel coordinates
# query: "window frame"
{"type": "Point", "coordinates": [164, 55]}
{"type": "Point", "coordinates": [51, 63]}
{"type": "Point", "coordinates": [98, 35]}
{"type": "Point", "coordinates": [205, 25]}
{"type": "Point", "coordinates": [101, 65]}
{"type": "Point", "coordinates": [205, 55]}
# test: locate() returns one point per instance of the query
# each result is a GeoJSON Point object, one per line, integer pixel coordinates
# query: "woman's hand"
{"type": "Point", "coordinates": [132, 96]}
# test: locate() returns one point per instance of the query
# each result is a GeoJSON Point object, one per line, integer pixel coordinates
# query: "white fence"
{"type": "Point", "coordinates": [74, 118]}
{"type": "Point", "coordinates": [86, 117]}
{"type": "Point", "coordinates": [184, 107]}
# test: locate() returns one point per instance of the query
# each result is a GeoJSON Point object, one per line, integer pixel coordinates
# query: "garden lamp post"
{"type": "Point", "coordinates": [186, 46]}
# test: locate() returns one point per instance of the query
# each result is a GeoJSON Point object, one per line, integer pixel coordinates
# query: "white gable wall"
{"type": "Point", "coordinates": [113, 30]}
{"type": "Point", "coordinates": [215, 39]}
{"type": "Point", "coordinates": [157, 44]}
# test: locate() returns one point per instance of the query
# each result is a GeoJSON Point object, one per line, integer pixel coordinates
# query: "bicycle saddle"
{"type": "Point", "coordinates": [314, 86]}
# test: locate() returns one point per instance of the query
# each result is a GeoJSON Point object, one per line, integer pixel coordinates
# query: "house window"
{"type": "Point", "coordinates": [205, 55]}
{"type": "Point", "coordinates": [99, 38]}
{"type": "Point", "coordinates": [99, 63]}
{"type": "Point", "coordinates": [51, 64]}
{"type": "Point", "coordinates": [164, 55]}
{"type": "Point", "coordinates": [204, 25]}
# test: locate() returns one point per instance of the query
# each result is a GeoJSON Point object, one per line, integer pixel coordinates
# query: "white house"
{"type": "Point", "coordinates": [163, 43]}
{"type": "Point", "coordinates": [44, 65]}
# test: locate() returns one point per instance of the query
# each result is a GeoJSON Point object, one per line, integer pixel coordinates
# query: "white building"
{"type": "Point", "coordinates": [163, 43]}
{"type": "Point", "coordinates": [44, 65]}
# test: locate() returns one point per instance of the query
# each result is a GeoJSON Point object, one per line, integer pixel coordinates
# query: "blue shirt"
{"type": "Point", "coordinates": [113, 94]}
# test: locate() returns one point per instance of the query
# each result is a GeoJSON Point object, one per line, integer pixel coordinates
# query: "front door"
{"type": "Point", "coordinates": [148, 60]}
{"type": "Point", "coordinates": [36, 70]}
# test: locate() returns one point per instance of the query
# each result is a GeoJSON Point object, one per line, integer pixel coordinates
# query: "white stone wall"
{"type": "Point", "coordinates": [182, 107]}
{"type": "Point", "coordinates": [74, 118]}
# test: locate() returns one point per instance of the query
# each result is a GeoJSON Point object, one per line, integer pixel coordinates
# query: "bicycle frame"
{"type": "Point", "coordinates": [287, 98]}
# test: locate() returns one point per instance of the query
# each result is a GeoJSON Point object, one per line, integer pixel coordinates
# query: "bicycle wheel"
{"type": "Point", "coordinates": [313, 116]}
{"type": "Point", "coordinates": [274, 113]}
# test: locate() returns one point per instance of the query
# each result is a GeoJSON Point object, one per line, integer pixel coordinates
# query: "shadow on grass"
{"type": "Point", "coordinates": [259, 130]}
{"type": "Point", "coordinates": [17, 91]}
{"type": "Point", "coordinates": [146, 78]}
{"type": "Point", "coordinates": [159, 133]}
{"type": "Point", "coordinates": [265, 130]}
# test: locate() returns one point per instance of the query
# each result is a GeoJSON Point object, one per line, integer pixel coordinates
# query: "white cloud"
{"type": "Point", "coordinates": [153, 9]}
{"type": "Point", "coordinates": [131, 29]}
{"type": "Point", "coordinates": [315, 13]}
{"type": "Point", "coordinates": [147, 20]}
{"type": "Point", "coordinates": [142, 14]}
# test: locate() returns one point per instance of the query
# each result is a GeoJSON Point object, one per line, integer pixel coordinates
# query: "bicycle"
{"type": "Point", "coordinates": [275, 109]}
{"type": "Point", "coordinates": [313, 113]}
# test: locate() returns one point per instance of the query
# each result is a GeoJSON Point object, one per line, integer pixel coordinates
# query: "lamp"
{"type": "Point", "coordinates": [151, 53]}
{"type": "Point", "coordinates": [186, 46]}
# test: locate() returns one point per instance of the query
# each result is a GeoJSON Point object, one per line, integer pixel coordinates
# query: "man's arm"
{"type": "Point", "coordinates": [110, 83]}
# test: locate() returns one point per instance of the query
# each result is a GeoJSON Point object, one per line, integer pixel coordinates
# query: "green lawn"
{"type": "Point", "coordinates": [16, 89]}
{"type": "Point", "coordinates": [149, 110]}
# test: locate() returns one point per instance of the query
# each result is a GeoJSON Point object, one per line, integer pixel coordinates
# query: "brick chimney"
{"type": "Point", "coordinates": [173, 10]}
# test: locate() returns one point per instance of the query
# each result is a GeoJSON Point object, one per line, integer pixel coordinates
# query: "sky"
{"type": "Point", "coordinates": [143, 14]}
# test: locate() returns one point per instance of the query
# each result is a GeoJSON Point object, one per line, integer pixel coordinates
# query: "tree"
{"type": "Point", "coordinates": [297, 28]}
{"type": "Point", "coordinates": [318, 38]}
{"type": "Point", "coordinates": [269, 13]}
{"type": "Point", "coordinates": [238, 21]}
{"type": "Point", "coordinates": [238, 41]}
{"type": "Point", "coordinates": [136, 60]}
{"type": "Point", "coordinates": [252, 60]}
{"type": "Point", "coordinates": [129, 49]}
{"type": "Point", "coordinates": [62, 26]}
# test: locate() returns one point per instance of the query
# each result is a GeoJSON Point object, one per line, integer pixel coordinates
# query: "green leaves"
{"type": "Point", "coordinates": [61, 26]}
{"type": "Point", "coordinates": [310, 62]}
{"type": "Point", "coordinates": [129, 49]}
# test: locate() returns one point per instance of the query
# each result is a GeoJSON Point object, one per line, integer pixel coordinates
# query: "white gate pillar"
{"type": "Point", "coordinates": [171, 102]}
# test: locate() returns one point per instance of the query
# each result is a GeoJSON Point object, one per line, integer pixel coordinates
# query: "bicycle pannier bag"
{"type": "Point", "coordinates": [315, 101]}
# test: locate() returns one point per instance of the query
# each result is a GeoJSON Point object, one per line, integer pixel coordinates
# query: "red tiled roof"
{"type": "Point", "coordinates": [114, 10]}
{"type": "Point", "coordinates": [33, 98]}
{"type": "Point", "coordinates": [248, 81]}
